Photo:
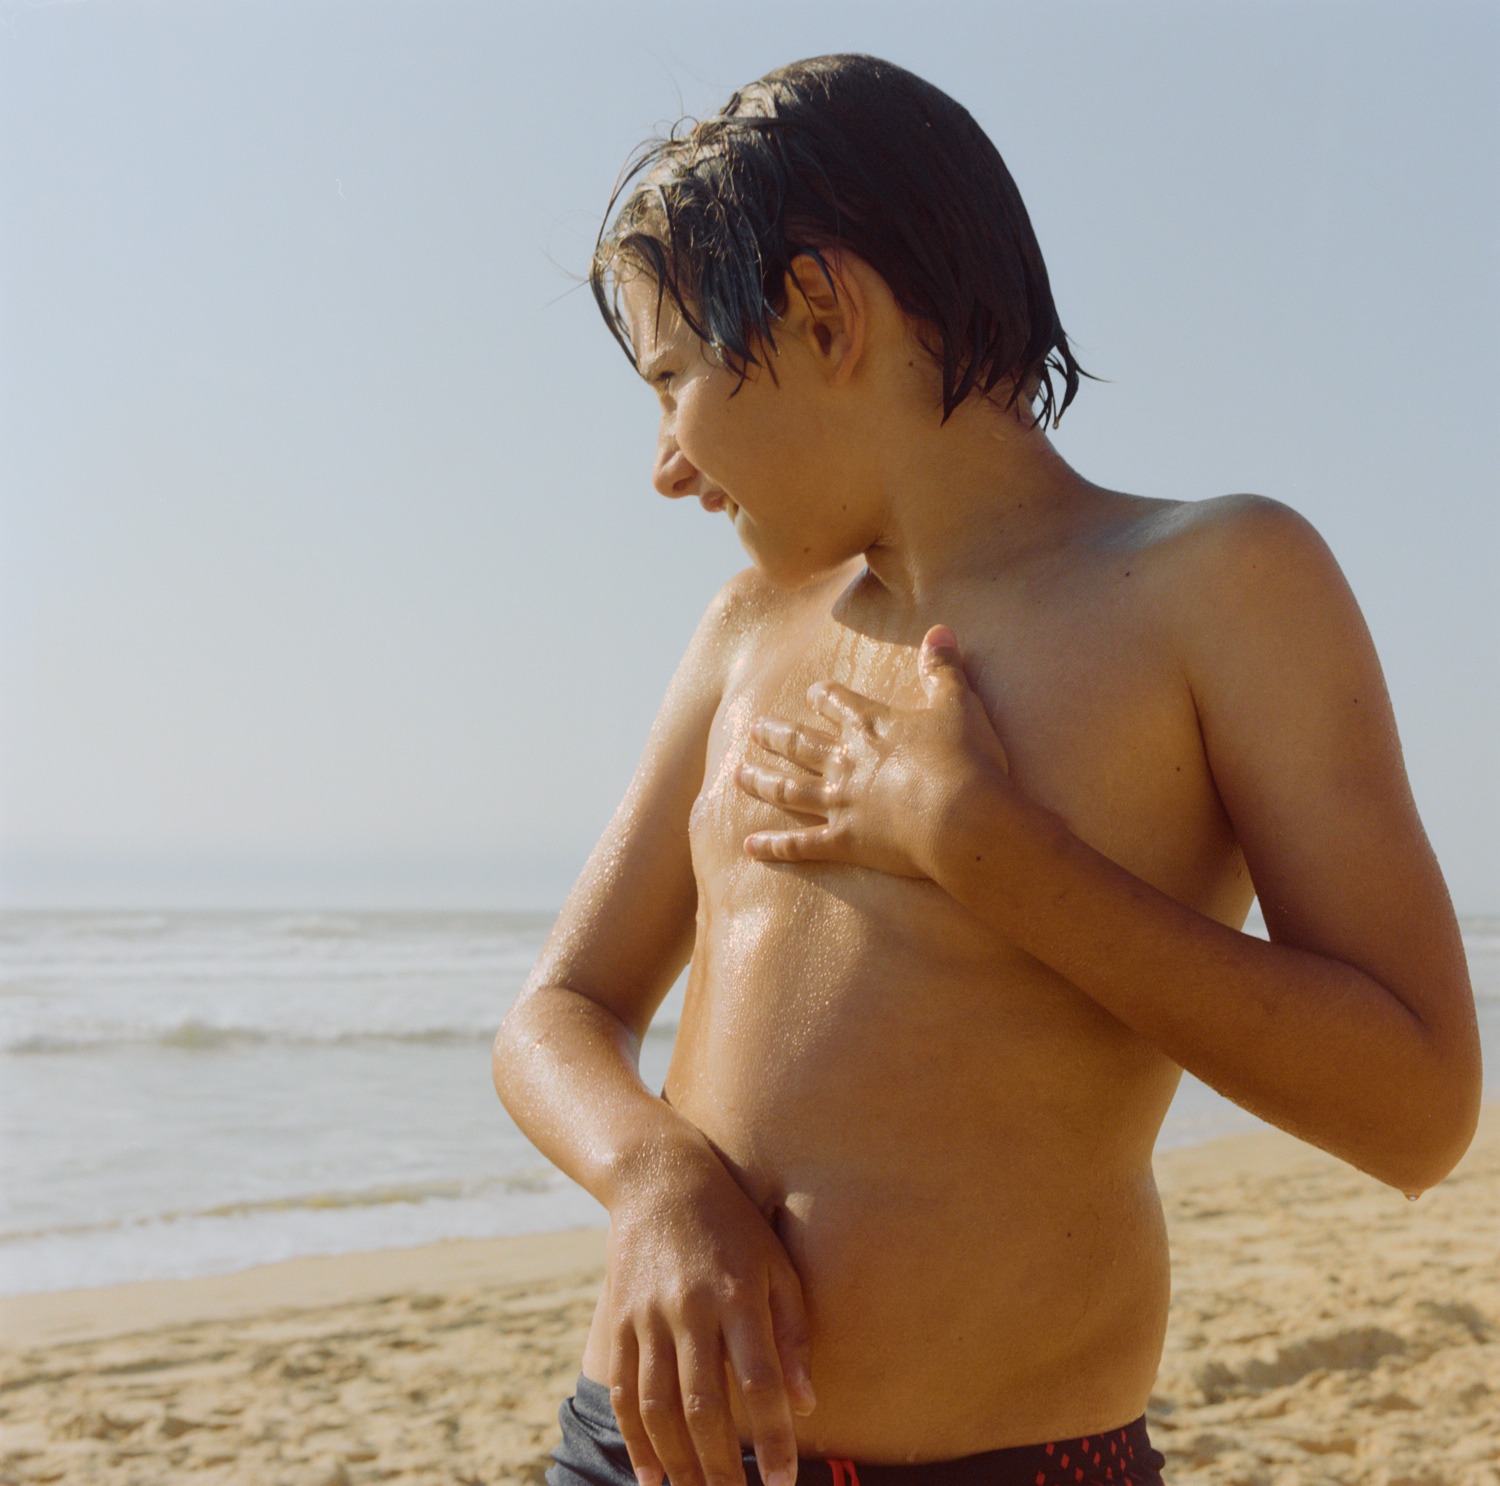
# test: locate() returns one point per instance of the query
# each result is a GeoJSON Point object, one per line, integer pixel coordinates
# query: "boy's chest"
{"type": "Point", "coordinates": [1096, 721]}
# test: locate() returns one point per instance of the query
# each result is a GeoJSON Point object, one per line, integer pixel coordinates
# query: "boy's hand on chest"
{"type": "Point", "coordinates": [873, 783]}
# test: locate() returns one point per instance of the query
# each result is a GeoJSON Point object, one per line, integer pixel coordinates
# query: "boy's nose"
{"type": "Point", "coordinates": [674, 474]}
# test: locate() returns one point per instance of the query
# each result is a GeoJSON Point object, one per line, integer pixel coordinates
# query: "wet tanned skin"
{"type": "Point", "coordinates": [954, 1142]}
{"type": "Point", "coordinates": [896, 1197]}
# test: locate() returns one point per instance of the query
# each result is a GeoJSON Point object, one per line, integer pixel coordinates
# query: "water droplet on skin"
{"type": "Point", "coordinates": [1412, 1196]}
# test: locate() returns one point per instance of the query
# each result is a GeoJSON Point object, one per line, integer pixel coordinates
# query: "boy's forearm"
{"type": "Point", "coordinates": [1309, 1042]}
{"type": "Point", "coordinates": [700, 1287]}
{"type": "Point", "coordinates": [566, 1070]}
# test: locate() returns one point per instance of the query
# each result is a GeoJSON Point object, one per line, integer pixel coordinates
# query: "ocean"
{"type": "Point", "coordinates": [193, 1093]}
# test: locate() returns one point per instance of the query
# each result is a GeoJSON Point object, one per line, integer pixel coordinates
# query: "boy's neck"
{"type": "Point", "coordinates": [977, 494]}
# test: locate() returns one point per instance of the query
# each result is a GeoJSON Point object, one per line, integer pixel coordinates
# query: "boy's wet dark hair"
{"type": "Point", "coordinates": [842, 151]}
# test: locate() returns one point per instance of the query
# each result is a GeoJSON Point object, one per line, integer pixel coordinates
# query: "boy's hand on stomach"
{"type": "Point", "coordinates": [882, 781]}
{"type": "Point", "coordinates": [701, 1291]}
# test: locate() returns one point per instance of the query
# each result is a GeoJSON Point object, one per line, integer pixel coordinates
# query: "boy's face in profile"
{"type": "Point", "coordinates": [762, 449]}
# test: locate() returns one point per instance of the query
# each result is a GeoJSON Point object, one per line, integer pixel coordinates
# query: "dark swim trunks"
{"type": "Point", "coordinates": [592, 1453]}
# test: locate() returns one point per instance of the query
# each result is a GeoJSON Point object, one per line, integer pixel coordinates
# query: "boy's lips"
{"type": "Point", "coordinates": [716, 500]}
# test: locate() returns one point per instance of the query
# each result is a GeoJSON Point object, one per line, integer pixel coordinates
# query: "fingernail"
{"type": "Point", "coordinates": [783, 1475]}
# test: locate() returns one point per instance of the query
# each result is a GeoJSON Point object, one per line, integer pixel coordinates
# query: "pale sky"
{"type": "Point", "coordinates": [332, 572]}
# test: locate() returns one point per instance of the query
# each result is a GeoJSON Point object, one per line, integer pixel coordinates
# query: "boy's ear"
{"type": "Point", "coordinates": [827, 305]}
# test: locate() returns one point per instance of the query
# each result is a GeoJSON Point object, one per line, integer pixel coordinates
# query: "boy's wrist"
{"type": "Point", "coordinates": [976, 849]}
{"type": "Point", "coordinates": [650, 1158]}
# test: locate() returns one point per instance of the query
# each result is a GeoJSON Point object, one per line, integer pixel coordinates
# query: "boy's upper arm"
{"type": "Point", "coordinates": [1302, 744]}
{"type": "Point", "coordinates": [627, 928]}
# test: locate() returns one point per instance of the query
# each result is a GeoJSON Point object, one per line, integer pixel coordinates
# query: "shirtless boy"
{"type": "Point", "coordinates": [955, 807]}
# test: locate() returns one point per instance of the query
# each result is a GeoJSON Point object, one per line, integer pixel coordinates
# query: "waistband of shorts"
{"type": "Point", "coordinates": [1115, 1457]}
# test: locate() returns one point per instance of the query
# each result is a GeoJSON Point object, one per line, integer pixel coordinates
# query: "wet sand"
{"type": "Point", "coordinates": [1324, 1330]}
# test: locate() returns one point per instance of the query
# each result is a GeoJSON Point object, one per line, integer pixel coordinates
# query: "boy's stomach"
{"type": "Point", "coordinates": [955, 1147]}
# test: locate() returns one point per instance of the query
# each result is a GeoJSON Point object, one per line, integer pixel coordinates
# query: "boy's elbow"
{"type": "Point", "coordinates": [500, 1061]}
{"type": "Point", "coordinates": [525, 1048]}
{"type": "Point", "coordinates": [1423, 1164]}
{"type": "Point", "coordinates": [505, 1053]}
{"type": "Point", "coordinates": [1438, 1133]}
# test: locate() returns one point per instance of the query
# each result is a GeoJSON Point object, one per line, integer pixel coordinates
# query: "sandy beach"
{"type": "Point", "coordinates": [1323, 1330]}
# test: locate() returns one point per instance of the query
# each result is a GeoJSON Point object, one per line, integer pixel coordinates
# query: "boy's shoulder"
{"type": "Point", "coordinates": [742, 615]}
{"type": "Point", "coordinates": [750, 602]}
{"type": "Point", "coordinates": [1232, 562]}
{"type": "Point", "coordinates": [1222, 533]}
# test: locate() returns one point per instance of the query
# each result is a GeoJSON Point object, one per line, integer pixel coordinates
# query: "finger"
{"type": "Point", "coordinates": [705, 1407]}
{"type": "Point", "coordinates": [803, 793]}
{"type": "Point", "coordinates": [793, 1334]}
{"type": "Point", "coordinates": [662, 1417]}
{"type": "Point", "coordinates": [624, 1399]}
{"type": "Point", "coordinates": [805, 746]}
{"type": "Point", "coordinates": [817, 844]}
{"type": "Point", "coordinates": [940, 663]}
{"type": "Point", "coordinates": [847, 708]}
{"type": "Point", "coordinates": [757, 1371]}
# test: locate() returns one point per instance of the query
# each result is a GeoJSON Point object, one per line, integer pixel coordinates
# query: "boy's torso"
{"type": "Point", "coordinates": [953, 1142]}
